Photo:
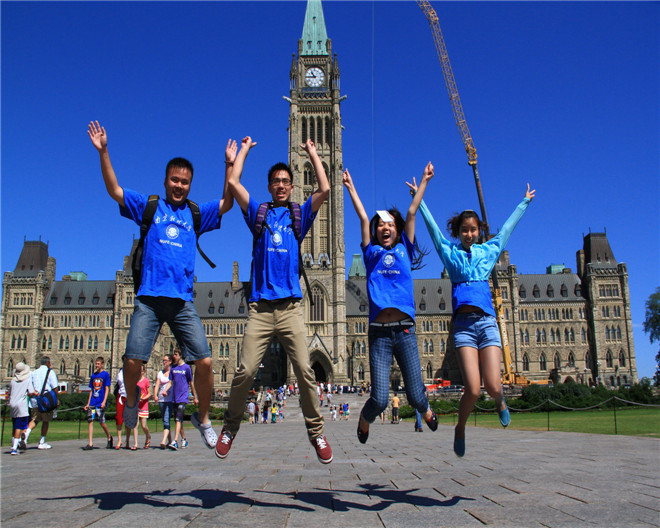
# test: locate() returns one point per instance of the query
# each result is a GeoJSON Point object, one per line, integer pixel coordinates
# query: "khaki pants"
{"type": "Point", "coordinates": [283, 319]}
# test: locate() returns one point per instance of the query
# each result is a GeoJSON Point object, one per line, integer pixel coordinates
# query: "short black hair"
{"type": "Point", "coordinates": [179, 163]}
{"type": "Point", "coordinates": [281, 166]}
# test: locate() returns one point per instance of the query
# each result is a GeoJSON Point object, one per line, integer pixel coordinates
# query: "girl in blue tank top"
{"type": "Point", "coordinates": [476, 334]}
{"type": "Point", "coordinates": [388, 248]}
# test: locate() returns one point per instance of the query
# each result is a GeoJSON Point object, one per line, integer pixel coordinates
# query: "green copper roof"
{"type": "Point", "coordinates": [314, 35]}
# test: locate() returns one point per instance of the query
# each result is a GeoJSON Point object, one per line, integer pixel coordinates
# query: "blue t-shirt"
{"type": "Point", "coordinates": [98, 382]}
{"type": "Point", "coordinates": [389, 277]}
{"type": "Point", "coordinates": [168, 263]}
{"type": "Point", "coordinates": [181, 376]}
{"type": "Point", "coordinates": [275, 257]}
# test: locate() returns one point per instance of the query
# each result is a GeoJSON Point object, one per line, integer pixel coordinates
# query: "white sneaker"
{"type": "Point", "coordinates": [44, 446]}
{"type": "Point", "coordinates": [14, 451]}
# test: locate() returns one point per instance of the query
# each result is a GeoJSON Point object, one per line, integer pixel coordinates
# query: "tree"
{"type": "Point", "coordinates": [652, 327]}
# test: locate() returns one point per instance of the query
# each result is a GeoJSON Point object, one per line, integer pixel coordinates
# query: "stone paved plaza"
{"type": "Point", "coordinates": [398, 479]}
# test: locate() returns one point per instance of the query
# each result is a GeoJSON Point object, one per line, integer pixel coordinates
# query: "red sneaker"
{"type": "Point", "coordinates": [323, 449]}
{"type": "Point", "coordinates": [224, 444]}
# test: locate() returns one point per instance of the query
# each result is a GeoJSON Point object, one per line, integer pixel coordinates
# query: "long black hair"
{"type": "Point", "coordinates": [400, 224]}
{"type": "Point", "coordinates": [454, 223]}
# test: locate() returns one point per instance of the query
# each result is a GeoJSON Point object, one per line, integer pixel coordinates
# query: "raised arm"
{"type": "Point", "coordinates": [227, 200]}
{"type": "Point", "coordinates": [359, 208]}
{"type": "Point", "coordinates": [500, 240]}
{"type": "Point", "coordinates": [321, 194]}
{"type": "Point", "coordinates": [239, 192]}
{"type": "Point", "coordinates": [100, 141]}
{"type": "Point", "coordinates": [417, 194]}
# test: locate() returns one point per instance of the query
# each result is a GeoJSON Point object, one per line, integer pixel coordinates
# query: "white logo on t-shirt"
{"type": "Point", "coordinates": [388, 260]}
{"type": "Point", "coordinates": [276, 239]}
{"type": "Point", "coordinates": [172, 232]}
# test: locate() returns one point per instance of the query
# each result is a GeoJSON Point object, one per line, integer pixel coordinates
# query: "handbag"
{"type": "Point", "coordinates": [47, 401]}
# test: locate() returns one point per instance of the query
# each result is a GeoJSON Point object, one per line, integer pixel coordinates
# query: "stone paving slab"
{"type": "Point", "coordinates": [399, 478]}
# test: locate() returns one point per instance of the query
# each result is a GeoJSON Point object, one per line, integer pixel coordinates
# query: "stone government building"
{"type": "Point", "coordinates": [561, 324]}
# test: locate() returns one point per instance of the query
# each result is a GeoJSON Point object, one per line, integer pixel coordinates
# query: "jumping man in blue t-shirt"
{"type": "Point", "coordinates": [275, 303]}
{"type": "Point", "coordinates": [168, 268]}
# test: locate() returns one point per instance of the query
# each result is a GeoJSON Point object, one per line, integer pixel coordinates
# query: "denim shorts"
{"type": "Point", "coordinates": [149, 315]}
{"type": "Point", "coordinates": [476, 330]}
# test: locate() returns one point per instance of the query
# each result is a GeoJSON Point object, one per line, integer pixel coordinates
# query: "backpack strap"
{"type": "Point", "coordinates": [147, 219]}
{"type": "Point", "coordinates": [197, 225]}
{"type": "Point", "coordinates": [260, 220]}
{"type": "Point", "coordinates": [295, 213]}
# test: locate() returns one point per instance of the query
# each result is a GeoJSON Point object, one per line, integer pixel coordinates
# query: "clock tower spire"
{"type": "Point", "coordinates": [314, 113]}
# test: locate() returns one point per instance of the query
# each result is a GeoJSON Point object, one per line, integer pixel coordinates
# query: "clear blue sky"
{"type": "Point", "coordinates": [561, 94]}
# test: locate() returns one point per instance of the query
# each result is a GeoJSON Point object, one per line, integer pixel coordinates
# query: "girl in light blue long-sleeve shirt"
{"type": "Point", "coordinates": [476, 334]}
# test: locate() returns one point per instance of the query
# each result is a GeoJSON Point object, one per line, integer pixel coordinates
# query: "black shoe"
{"type": "Point", "coordinates": [109, 444]}
{"type": "Point", "coordinates": [432, 422]}
{"type": "Point", "coordinates": [363, 436]}
{"type": "Point", "coordinates": [88, 448]}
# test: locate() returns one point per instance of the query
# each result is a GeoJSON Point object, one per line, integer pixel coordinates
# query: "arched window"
{"type": "Point", "coordinates": [223, 375]}
{"type": "Point", "coordinates": [62, 368]}
{"type": "Point", "coordinates": [90, 369]}
{"type": "Point", "coordinates": [571, 360]}
{"type": "Point", "coordinates": [304, 129]}
{"type": "Point", "coordinates": [608, 359]}
{"type": "Point", "coordinates": [622, 359]}
{"type": "Point", "coordinates": [618, 333]}
{"type": "Point", "coordinates": [550, 291]}
{"type": "Point", "coordinates": [76, 369]}
{"type": "Point", "coordinates": [557, 361]}
{"type": "Point", "coordinates": [525, 362]}
{"type": "Point", "coordinates": [317, 306]}
{"type": "Point", "coordinates": [563, 291]}
{"type": "Point", "coordinates": [312, 129]}
{"type": "Point", "coordinates": [536, 291]}
{"type": "Point", "coordinates": [10, 368]}
{"type": "Point", "coordinates": [429, 371]}
{"type": "Point", "coordinates": [361, 372]}
{"type": "Point", "coordinates": [526, 337]}
{"type": "Point", "coordinates": [89, 343]}
{"type": "Point", "coordinates": [543, 364]}
{"type": "Point", "coordinates": [50, 343]}
{"type": "Point", "coordinates": [430, 347]}
{"type": "Point", "coordinates": [522, 292]}
{"type": "Point", "coordinates": [426, 346]}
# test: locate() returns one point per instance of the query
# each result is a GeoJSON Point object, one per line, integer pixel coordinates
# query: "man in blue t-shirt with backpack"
{"type": "Point", "coordinates": [165, 294]}
{"type": "Point", "coordinates": [276, 298]}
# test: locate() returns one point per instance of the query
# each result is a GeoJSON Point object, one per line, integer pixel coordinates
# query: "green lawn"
{"type": "Point", "coordinates": [636, 421]}
{"type": "Point", "coordinates": [60, 430]}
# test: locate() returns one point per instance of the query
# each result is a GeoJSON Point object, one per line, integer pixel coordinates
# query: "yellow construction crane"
{"type": "Point", "coordinates": [509, 376]}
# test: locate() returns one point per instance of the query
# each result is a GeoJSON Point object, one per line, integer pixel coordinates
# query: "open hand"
{"type": "Point", "coordinates": [97, 134]}
{"type": "Point", "coordinates": [230, 151]}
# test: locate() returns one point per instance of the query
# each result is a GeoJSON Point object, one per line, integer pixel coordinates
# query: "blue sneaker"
{"type": "Point", "coordinates": [184, 443]}
{"type": "Point", "coordinates": [505, 416]}
{"type": "Point", "coordinates": [173, 446]}
{"type": "Point", "coordinates": [459, 445]}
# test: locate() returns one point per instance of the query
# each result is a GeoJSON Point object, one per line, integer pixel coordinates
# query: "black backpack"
{"type": "Point", "coordinates": [147, 218]}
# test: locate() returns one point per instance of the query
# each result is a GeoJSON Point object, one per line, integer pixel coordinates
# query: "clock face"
{"type": "Point", "coordinates": [314, 77]}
